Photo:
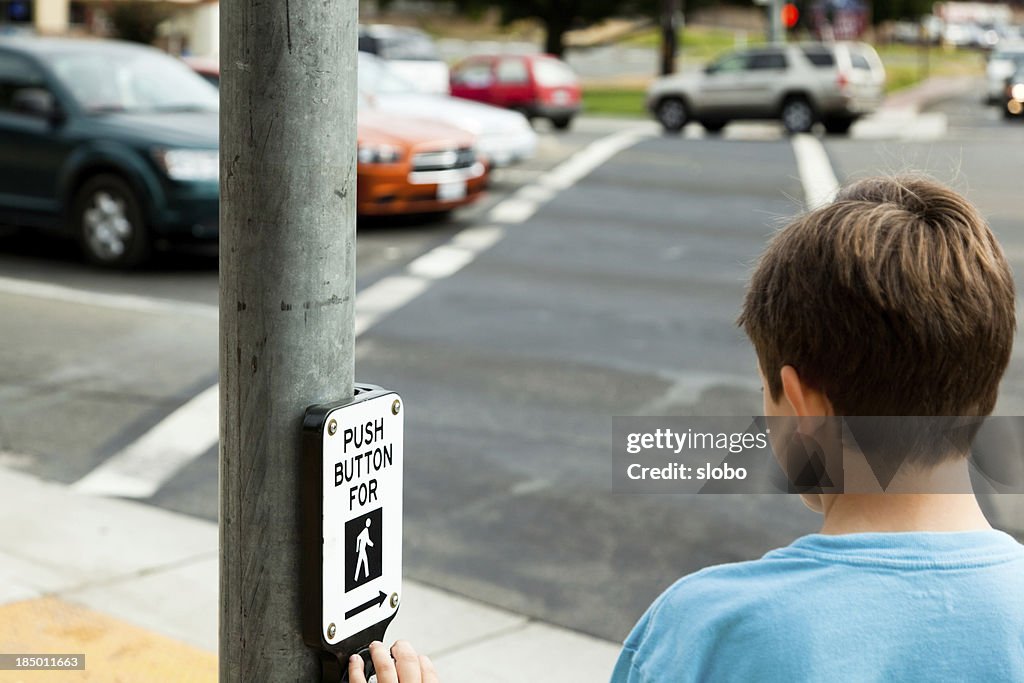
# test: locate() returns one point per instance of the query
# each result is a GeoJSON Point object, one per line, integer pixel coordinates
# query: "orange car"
{"type": "Point", "coordinates": [407, 165]}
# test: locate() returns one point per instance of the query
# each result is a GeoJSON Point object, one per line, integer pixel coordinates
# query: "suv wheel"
{"type": "Point", "coordinates": [672, 114]}
{"type": "Point", "coordinates": [797, 115]}
{"type": "Point", "coordinates": [109, 223]}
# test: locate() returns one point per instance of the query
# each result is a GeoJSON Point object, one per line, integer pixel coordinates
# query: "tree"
{"type": "Point", "coordinates": [136, 21]}
{"type": "Point", "coordinates": [670, 10]}
{"type": "Point", "coordinates": [889, 10]}
{"type": "Point", "coordinates": [559, 16]}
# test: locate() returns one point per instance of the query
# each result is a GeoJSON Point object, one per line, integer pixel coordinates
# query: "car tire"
{"type": "Point", "coordinates": [838, 125]}
{"type": "Point", "coordinates": [109, 223]}
{"type": "Point", "coordinates": [672, 113]}
{"type": "Point", "coordinates": [713, 125]}
{"type": "Point", "coordinates": [797, 115]}
{"type": "Point", "coordinates": [561, 122]}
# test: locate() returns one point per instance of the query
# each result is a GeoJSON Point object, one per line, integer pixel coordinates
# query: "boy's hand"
{"type": "Point", "coordinates": [400, 665]}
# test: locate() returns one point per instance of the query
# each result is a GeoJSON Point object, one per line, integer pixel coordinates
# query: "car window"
{"type": "Point", "coordinates": [551, 73]}
{"type": "Point", "coordinates": [819, 56]}
{"type": "Point", "coordinates": [125, 80]}
{"type": "Point", "coordinates": [17, 74]}
{"type": "Point", "coordinates": [410, 47]}
{"type": "Point", "coordinates": [767, 60]}
{"type": "Point", "coordinates": [475, 74]}
{"type": "Point", "coordinates": [731, 63]}
{"type": "Point", "coordinates": [859, 61]}
{"type": "Point", "coordinates": [367, 44]}
{"type": "Point", "coordinates": [512, 71]}
{"type": "Point", "coordinates": [377, 78]}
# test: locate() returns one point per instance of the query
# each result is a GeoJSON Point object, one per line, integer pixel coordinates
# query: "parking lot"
{"type": "Point", "coordinates": [605, 279]}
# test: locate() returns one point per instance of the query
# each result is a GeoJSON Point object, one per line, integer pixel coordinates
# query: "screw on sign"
{"type": "Point", "coordinates": [353, 463]}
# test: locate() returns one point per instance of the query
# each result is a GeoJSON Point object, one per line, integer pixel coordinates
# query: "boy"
{"type": "Point", "coordinates": [893, 300]}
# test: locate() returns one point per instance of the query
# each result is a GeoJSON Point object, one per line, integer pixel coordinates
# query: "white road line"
{"type": "Point", "coordinates": [444, 261]}
{"type": "Point", "coordinates": [479, 238]}
{"type": "Point", "coordinates": [390, 293]}
{"type": "Point", "coordinates": [901, 124]}
{"type": "Point", "coordinates": [522, 205]}
{"type": "Point", "coordinates": [141, 469]}
{"type": "Point", "coordinates": [513, 210]}
{"type": "Point", "coordinates": [124, 302]}
{"type": "Point", "coordinates": [816, 174]}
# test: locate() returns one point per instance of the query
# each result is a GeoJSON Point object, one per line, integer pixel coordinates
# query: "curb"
{"type": "Point", "coordinates": [927, 93]}
{"type": "Point", "coordinates": [102, 577]}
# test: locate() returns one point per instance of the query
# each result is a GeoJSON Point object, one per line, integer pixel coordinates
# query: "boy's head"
{"type": "Point", "coordinates": [895, 299]}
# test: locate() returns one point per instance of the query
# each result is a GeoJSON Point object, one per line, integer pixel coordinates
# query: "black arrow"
{"type": "Point", "coordinates": [379, 600]}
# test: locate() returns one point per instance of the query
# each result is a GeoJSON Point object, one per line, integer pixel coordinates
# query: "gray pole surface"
{"type": "Point", "coordinates": [287, 288]}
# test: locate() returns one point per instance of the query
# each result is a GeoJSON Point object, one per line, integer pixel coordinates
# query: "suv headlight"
{"type": "Point", "coordinates": [378, 154]}
{"type": "Point", "coordinates": [189, 164]}
{"type": "Point", "coordinates": [1017, 92]}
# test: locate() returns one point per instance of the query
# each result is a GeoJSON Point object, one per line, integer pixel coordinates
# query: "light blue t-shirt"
{"type": "Point", "coordinates": [856, 607]}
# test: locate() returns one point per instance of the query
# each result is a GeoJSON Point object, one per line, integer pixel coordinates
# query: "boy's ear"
{"type": "Point", "coordinates": [805, 399]}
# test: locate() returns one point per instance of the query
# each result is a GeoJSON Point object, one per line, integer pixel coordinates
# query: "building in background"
{"type": "Point", "coordinates": [190, 27]}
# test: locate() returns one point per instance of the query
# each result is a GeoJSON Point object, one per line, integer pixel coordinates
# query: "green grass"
{"type": "Point", "coordinates": [698, 42]}
{"type": "Point", "coordinates": [906, 65]}
{"type": "Point", "coordinates": [614, 102]}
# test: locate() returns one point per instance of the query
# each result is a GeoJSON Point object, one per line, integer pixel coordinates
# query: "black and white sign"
{"type": "Point", "coordinates": [362, 515]}
{"type": "Point", "coordinates": [365, 561]}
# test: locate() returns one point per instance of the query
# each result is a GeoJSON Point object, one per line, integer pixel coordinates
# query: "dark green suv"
{"type": "Point", "coordinates": [114, 143]}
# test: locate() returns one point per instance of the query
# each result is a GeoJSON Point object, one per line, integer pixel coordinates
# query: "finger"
{"type": "Point", "coordinates": [407, 662]}
{"type": "Point", "coordinates": [355, 670]}
{"type": "Point", "coordinates": [383, 663]}
{"type": "Point", "coordinates": [429, 673]}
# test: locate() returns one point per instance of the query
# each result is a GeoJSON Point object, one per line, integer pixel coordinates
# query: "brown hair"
{"type": "Point", "coordinates": [895, 299]}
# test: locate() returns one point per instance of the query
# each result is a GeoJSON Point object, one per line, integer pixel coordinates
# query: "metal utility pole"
{"type": "Point", "coordinates": [287, 273]}
{"type": "Point", "coordinates": [670, 13]}
{"type": "Point", "coordinates": [775, 21]}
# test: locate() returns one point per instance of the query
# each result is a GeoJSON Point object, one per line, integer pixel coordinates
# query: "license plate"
{"type": "Point", "coordinates": [450, 192]}
{"type": "Point", "coordinates": [560, 97]}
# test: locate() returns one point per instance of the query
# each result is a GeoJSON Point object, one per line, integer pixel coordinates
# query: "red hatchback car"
{"type": "Point", "coordinates": [540, 86]}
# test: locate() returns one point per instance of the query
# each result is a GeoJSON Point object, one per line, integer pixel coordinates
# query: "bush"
{"type": "Point", "coordinates": [136, 21]}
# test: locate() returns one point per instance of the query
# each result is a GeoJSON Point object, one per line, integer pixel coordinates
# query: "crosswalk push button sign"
{"type": "Point", "coordinates": [354, 463]}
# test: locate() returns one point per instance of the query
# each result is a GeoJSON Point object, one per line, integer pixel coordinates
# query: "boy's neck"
{"type": "Point", "coordinates": [858, 513]}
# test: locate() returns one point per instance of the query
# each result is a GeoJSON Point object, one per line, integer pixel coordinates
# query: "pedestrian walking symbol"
{"type": "Point", "coordinates": [363, 552]}
{"type": "Point", "coordinates": [362, 543]}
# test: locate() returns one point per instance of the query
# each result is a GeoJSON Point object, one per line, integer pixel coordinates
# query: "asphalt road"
{"type": "Point", "coordinates": [617, 297]}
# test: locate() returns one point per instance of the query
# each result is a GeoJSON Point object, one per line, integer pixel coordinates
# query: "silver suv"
{"type": "Point", "coordinates": [835, 83]}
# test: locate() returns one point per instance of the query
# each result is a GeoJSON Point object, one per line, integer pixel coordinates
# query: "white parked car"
{"type": "Point", "coordinates": [1001, 65]}
{"type": "Point", "coordinates": [797, 83]}
{"type": "Point", "coordinates": [411, 53]}
{"type": "Point", "coordinates": [503, 136]}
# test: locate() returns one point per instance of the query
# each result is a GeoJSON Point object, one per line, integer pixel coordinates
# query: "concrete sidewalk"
{"type": "Point", "coordinates": [929, 92]}
{"type": "Point", "coordinates": [134, 588]}
{"type": "Point", "coordinates": [903, 114]}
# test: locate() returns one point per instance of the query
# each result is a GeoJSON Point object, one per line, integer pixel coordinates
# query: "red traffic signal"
{"type": "Point", "coordinates": [790, 15]}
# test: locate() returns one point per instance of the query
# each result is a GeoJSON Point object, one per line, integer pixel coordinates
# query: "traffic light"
{"type": "Point", "coordinates": [790, 15]}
